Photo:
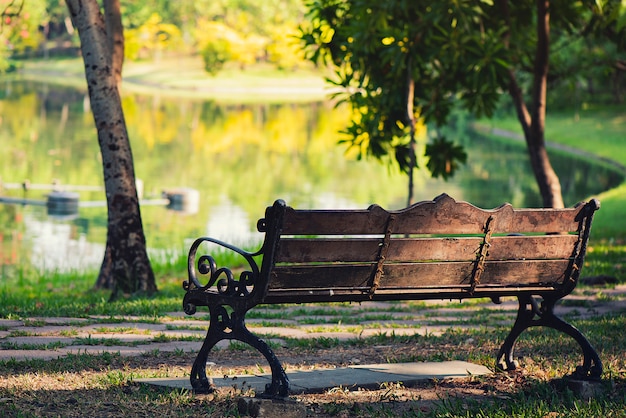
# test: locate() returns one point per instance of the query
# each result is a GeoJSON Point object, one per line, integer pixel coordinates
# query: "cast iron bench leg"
{"type": "Point", "coordinates": [232, 327]}
{"type": "Point", "coordinates": [199, 380]}
{"type": "Point", "coordinates": [591, 368]}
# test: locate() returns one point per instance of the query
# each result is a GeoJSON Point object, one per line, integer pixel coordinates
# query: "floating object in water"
{"type": "Point", "coordinates": [63, 204]}
{"type": "Point", "coordinates": [183, 199]}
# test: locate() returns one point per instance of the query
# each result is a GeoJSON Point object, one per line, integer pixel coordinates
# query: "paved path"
{"type": "Point", "coordinates": [50, 338]}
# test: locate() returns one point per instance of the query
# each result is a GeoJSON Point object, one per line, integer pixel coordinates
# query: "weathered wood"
{"type": "Point", "coordinates": [350, 250]}
{"type": "Point", "coordinates": [419, 275]}
{"type": "Point", "coordinates": [441, 216]}
{"type": "Point", "coordinates": [352, 294]}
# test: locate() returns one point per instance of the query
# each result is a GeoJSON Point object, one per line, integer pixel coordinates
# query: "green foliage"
{"type": "Point", "coordinates": [377, 47]}
{"type": "Point", "coordinates": [214, 55]}
{"type": "Point", "coordinates": [218, 44]}
{"type": "Point", "coordinates": [237, 38]}
{"type": "Point", "coordinates": [19, 30]}
{"type": "Point", "coordinates": [283, 47]}
{"type": "Point", "coordinates": [444, 157]}
{"type": "Point", "coordinates": [152, 38]}
{"type": "Point", "coordinates": [153, 28]}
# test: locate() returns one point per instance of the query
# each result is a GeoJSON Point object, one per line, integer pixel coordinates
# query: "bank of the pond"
{"type": "Point", "coordinates": [185, 77]}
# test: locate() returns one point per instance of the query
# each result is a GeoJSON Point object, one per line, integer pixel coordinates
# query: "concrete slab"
{"type": "Point", "coordinates": [435, 370]}
{"type": "Point", "coordinates": [315, 381]}
{"type": "Point", "coordinates": [352, 377]}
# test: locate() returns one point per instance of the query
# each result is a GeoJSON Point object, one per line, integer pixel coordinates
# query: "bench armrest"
{"type": "Point", "coordinates": [222, 277]}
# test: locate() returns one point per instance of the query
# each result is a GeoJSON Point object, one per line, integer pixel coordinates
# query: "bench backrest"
{"type": "Point", "coordinates": [433, 249]}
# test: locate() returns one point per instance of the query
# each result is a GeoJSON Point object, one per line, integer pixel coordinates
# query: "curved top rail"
{"type": "Point", "coordinates": [442, 215]}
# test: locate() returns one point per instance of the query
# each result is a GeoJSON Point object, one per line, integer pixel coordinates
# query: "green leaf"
{"type": "Point", "coordinates": [445, 157]}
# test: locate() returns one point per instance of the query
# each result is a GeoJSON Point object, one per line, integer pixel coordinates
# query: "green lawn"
{"type": "Point", "coordinates": [600, 130]}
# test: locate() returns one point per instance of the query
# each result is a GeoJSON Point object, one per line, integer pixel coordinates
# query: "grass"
{"type": "Point", "coordinates": [594, 128]}
{"type": "Point", "coordinates": [608, 223]}
{"type": "Point", "coordinates": [111, 377]}
{"type": "Point", "coordinates": [26, 292]}
{"type": "Point", "coordinates": [535, 401]}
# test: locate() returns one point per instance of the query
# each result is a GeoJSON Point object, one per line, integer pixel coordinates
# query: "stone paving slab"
{"type": "Point", "coordinates": [50, 338]}
{"type": "Point", "coordinates": [190, 347]}
{"type": "Point", "coordinates": [351, 377]}
{"type": "Point", "coordinates": [53, 341]}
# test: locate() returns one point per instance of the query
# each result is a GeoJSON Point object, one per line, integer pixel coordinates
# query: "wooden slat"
{"type": "Point", "coordinates": [446, 216]}
{"type": "Point", "coordinates": [335, 222]}
{"type": "Point", "coordinates": [441, 216]}
{"type": "Point", "coordinates": [327, 250]}
{"type": "Point", "coordinates": [352, 250]}
{"type": "Point", "coordinates": [453, 292]}
{"type": "Point", "coordinates": [318, 276]}
{"type": "Point", "coordinates": [538, 247]}
{"type": "Point", "coordinates": [522, 272]}
{"type": "Point", "coordinates": [506, 273]}
{"type": "Point", "coordinates": [545, 247]}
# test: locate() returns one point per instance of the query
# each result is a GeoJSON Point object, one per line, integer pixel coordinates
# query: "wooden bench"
{"type": "Point", "coordinates": [440, 249]}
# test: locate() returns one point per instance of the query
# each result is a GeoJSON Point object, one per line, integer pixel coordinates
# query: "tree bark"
{"type": "Point", "coordinates": [115, 36]}
{"type": "Point", "coordinates": [125, 268]}
{"type": "Point", "coordinates": [548, 181]}
{"type": "Point", "coordinates": [533, 123]}
{"type": "Point", "coordinates": [410, 114]}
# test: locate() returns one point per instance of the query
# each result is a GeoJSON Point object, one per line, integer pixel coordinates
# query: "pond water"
{"type": "Point", "coordinates": [238, 158]}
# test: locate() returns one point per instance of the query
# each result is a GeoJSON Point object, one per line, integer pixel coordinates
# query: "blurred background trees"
{"type": "Point", "coordinates": [246, 32]}
{"type": "Point", "coordinates": [241, 32]}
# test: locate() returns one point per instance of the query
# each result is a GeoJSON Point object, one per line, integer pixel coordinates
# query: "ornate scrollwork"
{"type": "Point", "coordinates": [222, 279]}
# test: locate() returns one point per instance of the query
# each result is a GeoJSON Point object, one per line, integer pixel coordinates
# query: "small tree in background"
{"type": "Point", "coordinates": [152, 39]}
{"type": "Point", "coordinates": [398, 61]}
{"type": "Point", "coordinates": [19, 30]}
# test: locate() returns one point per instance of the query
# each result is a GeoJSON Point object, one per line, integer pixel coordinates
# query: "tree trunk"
{"type": "Point", "coordinates": [533, 124]}
{"type": "Point", "coordinates": [410, 114]}
{"type": "Point", "coordinates": [125, 268]}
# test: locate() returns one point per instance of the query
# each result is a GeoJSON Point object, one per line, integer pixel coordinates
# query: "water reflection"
{"type": "Point", "coordinates": [60, 246]}
{"type": "Point", "coordinates": [229, 220]}
{"type": "Point", "coordinates": [238, 158]}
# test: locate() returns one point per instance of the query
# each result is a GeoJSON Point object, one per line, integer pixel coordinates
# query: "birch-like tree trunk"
{"type": "Point", "coordinates": [125, 268]}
